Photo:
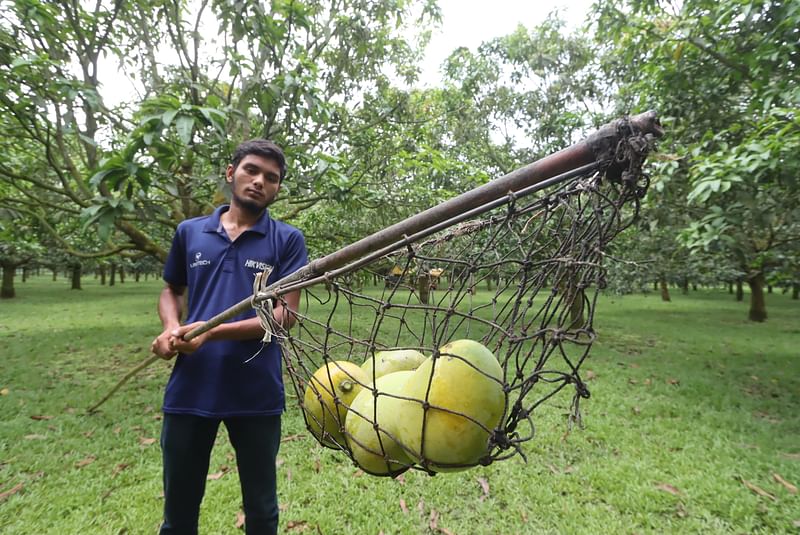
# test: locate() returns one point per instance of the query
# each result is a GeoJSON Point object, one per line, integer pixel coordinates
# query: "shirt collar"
{"type": "Point", "coordinates": [214, 224]}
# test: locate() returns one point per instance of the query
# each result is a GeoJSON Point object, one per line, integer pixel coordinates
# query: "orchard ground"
{"type": "Point", "coordinates": [693, 427]}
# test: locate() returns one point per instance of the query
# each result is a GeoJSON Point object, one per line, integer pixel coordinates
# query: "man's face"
{"type": "Point", "coordinates": [254, 183]}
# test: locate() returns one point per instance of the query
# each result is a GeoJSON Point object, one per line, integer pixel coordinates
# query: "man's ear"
{"type": "Point", "coordinates": [229, 173]}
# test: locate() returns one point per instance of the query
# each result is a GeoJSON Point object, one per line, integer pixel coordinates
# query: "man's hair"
{"type": "Point", "coordinates": [260, 147]}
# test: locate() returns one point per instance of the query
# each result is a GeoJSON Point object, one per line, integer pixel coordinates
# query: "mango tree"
{"type": "Point", "coordinates": [723, 74]}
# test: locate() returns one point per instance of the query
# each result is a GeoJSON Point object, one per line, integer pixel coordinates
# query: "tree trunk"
{"type": "Point", "coordinates": [664, 290]}
{"type": "Point", "coordinates": [685, 285]}
{"type": "Point", "coordinates": [758, 308]}
{"type": "Point", "coordinates": [121, 275]}
{"type": "Point", "coordinates": [655, 286]}
{"type": "Point", "coordinates": [424, 287]}
{"type": "Point", "coordinates": [694, 287]}
{"type": "Point", "coordinates": [7, 290]}
{"type": "Point", "coordinates": [739, 291]}
{"type": "Point", "coordinates": [112, 279]}
{"type": "Point", "coordinates": [796, 290]}
{"type": "Point", "coordinates": [136, 275]}
{"type": "Point", "coordinates": [24, 274]}
{"type": "Point", "coordinates": [55, 274]}
{"type": "Point", "coordinates": [102, 275]}
{"type": "Point", "coordinates": [730, 288]}
{"type": "Point", "coordinates": [769, 288]}
{"type": "Point", "coordinates": [76, 276]}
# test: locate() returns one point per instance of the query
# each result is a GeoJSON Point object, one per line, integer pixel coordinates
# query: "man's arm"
{"type": "Point", "coordinates": [169, 310]}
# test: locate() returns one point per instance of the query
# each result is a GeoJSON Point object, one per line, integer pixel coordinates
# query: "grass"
{"type": "Point", "coordinates": [693, 411]}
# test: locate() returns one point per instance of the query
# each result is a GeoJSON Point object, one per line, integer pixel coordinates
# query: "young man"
{"type": "Point", "coordinates": [214, 379]}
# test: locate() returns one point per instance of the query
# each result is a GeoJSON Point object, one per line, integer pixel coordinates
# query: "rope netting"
{"type": "Point", "coordinates": [435, 352]}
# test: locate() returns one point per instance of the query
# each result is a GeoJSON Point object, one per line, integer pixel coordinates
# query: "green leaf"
{"type": "Point", "coordinates": [168, 116]}
{"type": "Point", "coordinates": [185, 125]}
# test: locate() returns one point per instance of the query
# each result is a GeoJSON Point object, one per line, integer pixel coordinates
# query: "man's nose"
{"type": "Point", "coordinates": [259, 180]}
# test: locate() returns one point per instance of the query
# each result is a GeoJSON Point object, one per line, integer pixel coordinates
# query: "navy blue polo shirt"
{"type": "Point", "coordinates": [215, 380]}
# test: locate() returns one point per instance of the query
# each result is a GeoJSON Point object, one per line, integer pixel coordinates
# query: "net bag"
{"type": "Point", "coordinates": [431, 346]}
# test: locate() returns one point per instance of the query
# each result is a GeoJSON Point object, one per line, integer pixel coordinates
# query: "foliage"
{"type": "Point", "coordinates": [292, 71]}
{"type": "Point", "coordinates": [722, 75]}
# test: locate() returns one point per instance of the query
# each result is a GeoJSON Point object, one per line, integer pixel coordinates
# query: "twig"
{"type": "Point", "coordinates": [147, 362]}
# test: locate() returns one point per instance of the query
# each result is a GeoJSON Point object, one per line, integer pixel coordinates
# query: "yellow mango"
{"type": "Point", "coordinates": [369, 444]}
{"type": "Point", "coordinates": [395, 360]}
{"type": "Point", "coordinates": [330, 392]}
{"type": "Point", "coordinates": [455, 385]}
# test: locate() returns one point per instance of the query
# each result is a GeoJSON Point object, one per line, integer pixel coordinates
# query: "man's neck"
{"type": "Point", "coordinates": [238, 216]}
{"type": "Point", "coordinates": [236, 220]}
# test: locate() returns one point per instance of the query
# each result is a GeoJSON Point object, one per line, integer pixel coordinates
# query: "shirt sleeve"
{"type": "Point", "coordinates": [175, 266]}
{"type": "Point", "coordinates": [294, 255]}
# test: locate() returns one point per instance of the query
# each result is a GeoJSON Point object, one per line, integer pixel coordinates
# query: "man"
{"type": "Point", "coordinates": [214, 379]}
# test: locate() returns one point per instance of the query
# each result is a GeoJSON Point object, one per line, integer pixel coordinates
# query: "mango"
{"type": "Point", "coordinates": [396, 360]}
{"type": "Point", "coordinates": [330, 391]}
{"type": "Point", "coordinates": [452, 439]}
{"type": "Point", "coordinates": [368, 444]}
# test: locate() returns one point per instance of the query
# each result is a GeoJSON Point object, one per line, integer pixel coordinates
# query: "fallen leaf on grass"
{"type": "Point", "coordinates": [35, 437]}
{"type": "Point", "coordinates": [433, 523]}
{"type": "Point", "coordinates": [484, 488]}
{"type": "Point", "coordinates": [87, 461]}
{"type": "Point", "coordinates": [4, 392]}
{"type": "Point", "coordinates": [791, 488]}
{"type": "Point", "coordinates": [290, 438]}
{"type": "Point", "coordinates": [40, 417]}
{"type": "Point", "coordinates": [792, 456]}
{"type": "Point", "coordinates": [297, 525]}
{"type": "Point", "coordinates": [239, 520]}
{"type": "Point", "coordinates": [88, 434]}
{"type": "Point", "coordinates": [279, 462]}
{"type": "Point", "coordinates": [636, 410]}
{"type": "Point", "coordinates": [648, 382]}
{"type": "Point", "coordinates": [283, 506]}
{"type": "Point", "coordinates": [796, 523]}
{"type": "Point", "coordinates": [590, 375]}
{"type": "Point", "coordinates": [758, 490]}
{"type": "Point", "coordinates": [217, 475]}
{"type": "Point", "coordinates": [403, 506]}
{"type": "Point", "coordinates": [119, 468]}
{"type": "Point", "coordinates": [146, 441]}
{"type": "Point", "coordinates": [401, 479]}
{"type": "Point", "coordinates": [674, 382]}
{"type": "Point", "coordinates": [358, 473]}
{"type": "Point", "coordinates": [13, 490]}
{"type": "Point", "coordinates": [524, 517]}
{"type": "Point", "coordinates": [317, 466]}
{"type": "Point", "coordinates": [288, 474]}
{"type": "Point", "coordinates": [666, 487]}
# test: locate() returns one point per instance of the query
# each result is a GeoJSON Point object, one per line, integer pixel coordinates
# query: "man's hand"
{"type": "Point", "coordinates": [192, 345]}
{"type": "Point", "coordinates": [164, 345]}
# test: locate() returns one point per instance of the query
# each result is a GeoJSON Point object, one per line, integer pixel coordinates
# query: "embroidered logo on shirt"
{"type": "Point", "coordinates": [261, 266]}
{"type": "Point", "coordinates": [198, 261]}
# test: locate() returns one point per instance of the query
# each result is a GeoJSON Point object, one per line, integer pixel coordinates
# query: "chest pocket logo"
{"type": "Point", "coordinates": [199, 261]}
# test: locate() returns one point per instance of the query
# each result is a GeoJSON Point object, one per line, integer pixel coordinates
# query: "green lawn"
{"type": "Point", "coordinates": [694, 411]}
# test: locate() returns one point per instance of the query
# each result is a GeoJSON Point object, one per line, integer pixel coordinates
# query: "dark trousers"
{"type": "Point", "coordinates": [186, 443]}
